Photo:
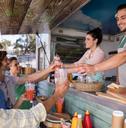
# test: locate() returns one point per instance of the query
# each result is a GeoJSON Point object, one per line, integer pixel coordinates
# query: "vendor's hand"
{"type": "Point", "coordinates": [61, 88]}
{"type": "Point", "coordinates": [85, 68]}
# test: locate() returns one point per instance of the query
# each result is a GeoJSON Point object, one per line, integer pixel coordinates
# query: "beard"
{"type": "Point", "coordinates": [124, 30]}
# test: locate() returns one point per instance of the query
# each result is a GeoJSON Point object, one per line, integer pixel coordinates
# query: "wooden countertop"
{"type": "Point", "coordinates": [100, 100]}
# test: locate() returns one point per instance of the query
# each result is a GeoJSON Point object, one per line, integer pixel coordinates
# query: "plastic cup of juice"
{"type": "Point", "coordinates": [29, 91]}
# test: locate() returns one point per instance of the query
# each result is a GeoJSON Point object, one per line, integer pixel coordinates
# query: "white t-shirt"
{"type": "Point", "coordinates": [17, 118]}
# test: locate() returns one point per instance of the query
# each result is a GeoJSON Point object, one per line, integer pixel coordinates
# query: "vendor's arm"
{"type": "Point", "coordinates": [69, 65]}
{"type": "Point", "coordinates": [112, 62]}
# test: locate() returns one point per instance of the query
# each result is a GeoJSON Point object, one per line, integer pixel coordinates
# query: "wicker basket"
{"type": "Point", "coordinates": [88, 87]}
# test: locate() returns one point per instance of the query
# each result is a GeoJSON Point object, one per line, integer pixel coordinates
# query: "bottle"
{"type": "Point", "coordinates": [87, 121]}
{"type": "Point", "coordinates": [79, 123]}
{"type": "Point", "coordinates": [117, 119]}
{"type": "Point", "coordinates": [74, 120]}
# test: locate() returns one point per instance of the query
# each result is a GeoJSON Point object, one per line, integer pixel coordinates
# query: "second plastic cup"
{"type": "Point", "coordinates": [59, 105]}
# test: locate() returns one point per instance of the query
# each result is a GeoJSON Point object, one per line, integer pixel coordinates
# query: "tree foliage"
{"type": "Point", "coordinates": [4, 44]}
{"type": "Point", "coordinates": [26, 43]}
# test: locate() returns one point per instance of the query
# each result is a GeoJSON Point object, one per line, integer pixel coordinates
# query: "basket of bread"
{"type": "Point", "coordinates": [88, 87]}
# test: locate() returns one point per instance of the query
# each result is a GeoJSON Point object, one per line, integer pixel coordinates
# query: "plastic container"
{"type": "Point", "coordinates": [82, 78]}
{"type": "Point", "coordinates": [117, 119]}
{"type": "Point", "coordinates": [79, 123]}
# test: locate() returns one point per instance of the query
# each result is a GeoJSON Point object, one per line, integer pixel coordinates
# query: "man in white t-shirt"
{"type": "Point", "coordinates": [121, 22]}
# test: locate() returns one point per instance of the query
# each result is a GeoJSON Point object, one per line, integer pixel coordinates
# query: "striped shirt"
{"type": "Point", "coordinates": [17, 118]}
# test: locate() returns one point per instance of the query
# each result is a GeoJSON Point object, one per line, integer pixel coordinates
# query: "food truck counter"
{"type": "Point", "coordinates": [100, 108]}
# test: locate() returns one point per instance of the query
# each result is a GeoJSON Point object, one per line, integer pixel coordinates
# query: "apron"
{"type": "Point", "coordinates": [122, 68]}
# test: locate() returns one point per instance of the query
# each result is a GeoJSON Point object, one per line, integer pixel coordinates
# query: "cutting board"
{"type": "Point", "coordinates": [108, 96]}
{"type": "Point", "coordinates": [117, 95]}
{"type": "Point", "coordinates": [115, 88]}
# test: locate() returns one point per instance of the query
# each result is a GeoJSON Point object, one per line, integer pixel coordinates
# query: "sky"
{"type": "Point", "coordinates": [11, 38]}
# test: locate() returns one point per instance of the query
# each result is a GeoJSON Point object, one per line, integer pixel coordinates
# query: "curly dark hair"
{"type": "Point", "coordinates": [2, 56]}
{"type": "Point", "coordinates": [120, 7]}
{"type": "Point", "coordinates": [96, 34]}
{"type": "Point", "coordinates": [12, 58]}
